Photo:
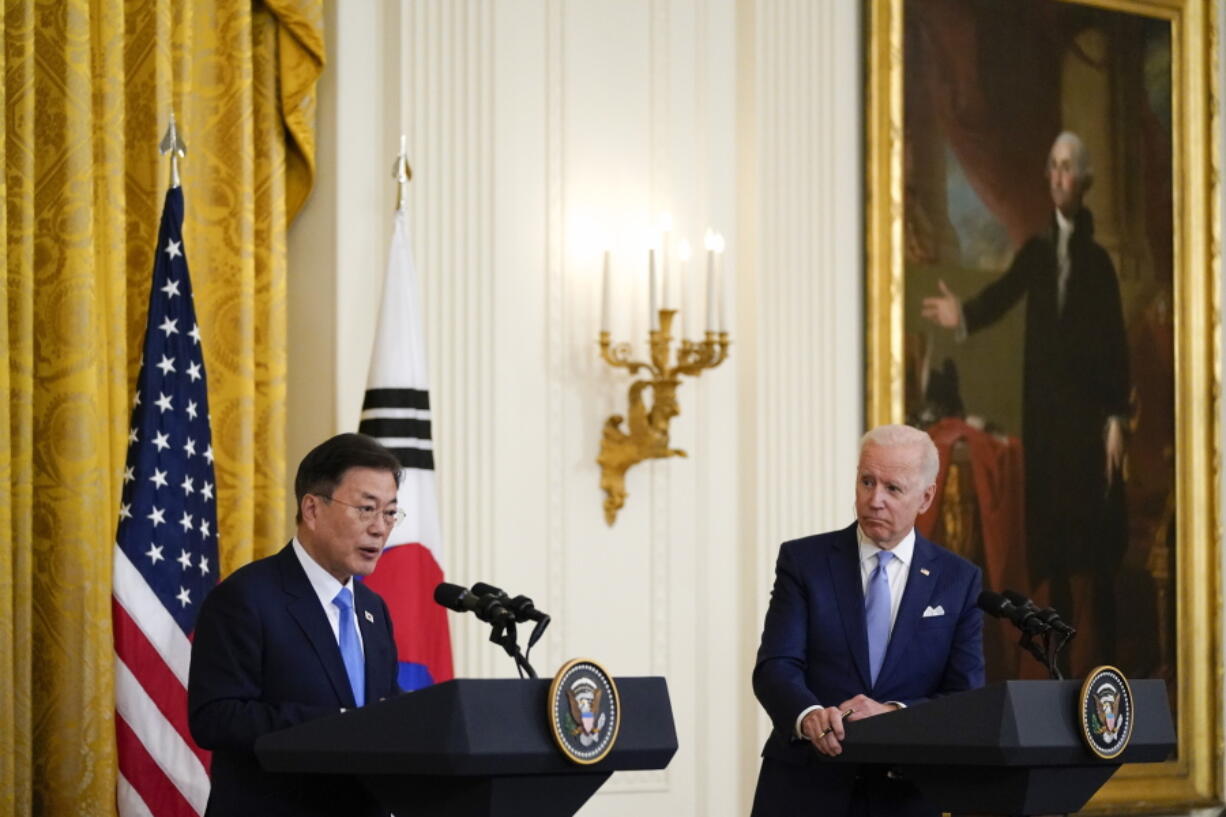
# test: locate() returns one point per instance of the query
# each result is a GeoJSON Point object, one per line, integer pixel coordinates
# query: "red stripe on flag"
{"type": "Point", "coordinates": [146, 777]}
{"type": "Point", "coordinates": [159, 683]}
{"type": "Point", "coordinates": [405, 577]}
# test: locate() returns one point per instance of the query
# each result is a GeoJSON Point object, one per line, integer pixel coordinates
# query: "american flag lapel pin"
{"type": "Point", "coordinates": [369, 617]}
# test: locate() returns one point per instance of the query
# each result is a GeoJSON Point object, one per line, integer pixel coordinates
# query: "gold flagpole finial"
{"type": "Point", "coordinates": [174, 145]}
{"type": "Point", "coordinates": [401, 172]}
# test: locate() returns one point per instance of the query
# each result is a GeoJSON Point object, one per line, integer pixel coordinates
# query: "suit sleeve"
{"type": "Point", "coordinates": [998, 297]}
{"type": "Point", "coordinates": [779, 674]}
{"type": "Point", "coordinates": [225, 682]}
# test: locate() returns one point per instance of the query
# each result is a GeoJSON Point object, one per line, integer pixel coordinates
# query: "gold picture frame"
{"type": "Point", "coordinates": [1193, 777]}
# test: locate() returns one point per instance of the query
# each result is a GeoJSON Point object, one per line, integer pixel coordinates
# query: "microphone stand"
{"type": "Point", "coordinates": [505, 636]}
{"type": "Point", "coordinates": [1043, 654]}
{"type": "Point", "coordinates": [1053, 642]}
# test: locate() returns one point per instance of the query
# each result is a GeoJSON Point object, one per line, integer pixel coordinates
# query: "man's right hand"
{"type": "Point", "coordinates": [824, 729]}
{"type": "Point", "coordinates": [944, 309]}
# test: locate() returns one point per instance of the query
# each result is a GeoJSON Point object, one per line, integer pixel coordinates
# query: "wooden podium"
{"type": "Point", "coordinates": [1010, 748]}
{"type": "Point", "coordinates": [473, 748]}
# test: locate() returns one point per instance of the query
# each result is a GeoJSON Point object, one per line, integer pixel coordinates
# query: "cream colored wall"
{"type": "Point", "coordinates": [525, 120]}
{"type": "Point", "coordinates": [524, 117]}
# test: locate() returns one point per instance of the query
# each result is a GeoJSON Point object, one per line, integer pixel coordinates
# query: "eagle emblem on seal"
{"type": "Point", "coordinates": [584, 697]}
{"type": "Point", "coordinates": [1107, 719]}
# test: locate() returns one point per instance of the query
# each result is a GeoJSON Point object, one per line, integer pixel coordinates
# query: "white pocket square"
{"type": "Point", "coordinates": [929, 612]}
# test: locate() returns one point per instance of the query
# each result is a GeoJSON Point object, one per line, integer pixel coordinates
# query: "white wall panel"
{"type": "Point", "coordinates": [802, 174]}
{"type": "Point", "coordinates": [529, 124]}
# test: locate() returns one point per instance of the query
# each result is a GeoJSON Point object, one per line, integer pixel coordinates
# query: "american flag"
{"type": "Point", "coordinates": [165, 547]}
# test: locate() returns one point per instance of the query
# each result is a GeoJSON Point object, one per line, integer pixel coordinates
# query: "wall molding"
{"type": "Point", "coordinates": [808, 258]}
{"type": "Point", "coordinates": [448, 69]}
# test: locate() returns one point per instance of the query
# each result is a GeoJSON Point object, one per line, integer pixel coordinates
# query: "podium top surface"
{"type": "Point", "coordinates": [1014, 723]}
{"type": "Point", "coordinates": [470, 727]}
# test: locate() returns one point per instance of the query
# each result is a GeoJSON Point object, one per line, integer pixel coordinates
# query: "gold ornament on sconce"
{"type": "Point", "coordinates": [645, 435]}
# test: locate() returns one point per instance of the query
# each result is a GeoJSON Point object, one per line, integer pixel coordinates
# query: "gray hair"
{"type": "Point", "coordinates": [1081, 154]}
{"type": "Point", "coordinates": [898, 436]}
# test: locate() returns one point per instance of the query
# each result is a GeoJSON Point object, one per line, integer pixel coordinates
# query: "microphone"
{"type": "Point", "coordinates": [486, 607]}
{"type": "Point", "coordinates": [483, 589]}
{"type": "Point", "coordinates": [1052, 619]}
{"type": "Point", "coordinates": [521, 606]}
{"type": "Point", "coordinates": [1018, 600]}
{"type": "Point", "coordinates": [994, 604]}
{"type": "Point", "coordinates": [1047, 615]}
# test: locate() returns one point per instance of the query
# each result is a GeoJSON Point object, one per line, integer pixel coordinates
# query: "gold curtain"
{"type": "Point", "coordinates": [87, 89]}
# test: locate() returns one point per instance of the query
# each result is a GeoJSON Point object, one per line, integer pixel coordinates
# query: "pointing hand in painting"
{"type": "Point", "coordinates": [945, 309]}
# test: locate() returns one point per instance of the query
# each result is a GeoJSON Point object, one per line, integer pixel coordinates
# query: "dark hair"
{"type": "Point", "coordinates": [323, 468]}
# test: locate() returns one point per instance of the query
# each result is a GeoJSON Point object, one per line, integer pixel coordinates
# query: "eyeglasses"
{"type": "Point", "coordinates": [367, 513]}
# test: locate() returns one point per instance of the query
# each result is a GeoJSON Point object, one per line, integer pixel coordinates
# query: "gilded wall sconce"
{"type": "Point", "coordinates": [646, 432]}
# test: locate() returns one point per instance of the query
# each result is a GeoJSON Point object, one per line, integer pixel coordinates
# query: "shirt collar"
{"type": "Point", "coordinates": [322, 582]}
{"type": "Point", "coordinates": [1064, 224]}
{"type": "Point", "coordinates": [903, 551]}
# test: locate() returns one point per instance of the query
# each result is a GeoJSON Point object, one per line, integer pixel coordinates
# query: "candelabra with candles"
{"type": "Point", "coordinates": [646, 433]}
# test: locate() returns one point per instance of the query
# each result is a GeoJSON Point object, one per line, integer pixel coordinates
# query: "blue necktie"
{"type": "Point", "coordinates": [351, 650]}
{"type": "Point", "coordinates": [877, 613]}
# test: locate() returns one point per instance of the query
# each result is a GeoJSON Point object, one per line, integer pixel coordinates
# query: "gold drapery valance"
{"type": "Point", "coordinates": [87, 89]}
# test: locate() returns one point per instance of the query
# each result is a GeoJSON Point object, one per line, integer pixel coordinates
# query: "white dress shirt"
{"type": "Point", "coordinates": [326, 587]}
{"type": "Point", "coordinates": [1064, 229]}
{"type": "Point", "coordinates": [896, 571]}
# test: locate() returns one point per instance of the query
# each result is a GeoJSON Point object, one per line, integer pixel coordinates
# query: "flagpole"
{"type": "Point", "coordinates": [174, 145]}
{"type": "Point", "coordinates": [402, 173]}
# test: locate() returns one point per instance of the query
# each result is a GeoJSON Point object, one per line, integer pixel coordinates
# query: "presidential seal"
{"type": "Point", "coordinates": [584, 711]}
{"type": "Point", "coordinates": [1106, 712]}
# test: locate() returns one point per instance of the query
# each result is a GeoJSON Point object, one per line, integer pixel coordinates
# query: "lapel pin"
{"type": "Point", "coordinates": [371, 618]}
{"type": "Point", "coordinates": [923, 570]}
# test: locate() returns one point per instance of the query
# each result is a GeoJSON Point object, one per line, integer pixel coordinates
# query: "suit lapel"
{"type": "Point", "coordinates": [304, 606]}
{"type": "Point", "coordinates": [370, 622]}
{"type": "Point", "coordinates": [848, 586]}
{"type": "Point", "coordinates": [922, 578]}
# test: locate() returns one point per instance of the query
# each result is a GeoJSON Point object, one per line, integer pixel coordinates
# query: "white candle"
{"type": "Point", "coordinates": [604, 299]}
{"type": "Point", "coordinates": [651, 290]}
{"type": "Point", "coordinates": [710, 243]}
{"type": "Point", "coordinates": [723, 285]}
{"type": "Point", "coordinates": [666, 227]}
{"type": "Point", "coordinates": [683, 258]}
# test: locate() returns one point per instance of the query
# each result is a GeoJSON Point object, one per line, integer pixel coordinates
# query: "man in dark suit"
{"type": "Point", "coordinates": [861, 622]}
{"type": "Point", "coordinates": [1075, 403]}
{"type": "Point", "coordinates": [293, 637]}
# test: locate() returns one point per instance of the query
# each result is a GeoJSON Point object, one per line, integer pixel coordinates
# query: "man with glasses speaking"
{"type": "Point", "coordinates": [293, 637]}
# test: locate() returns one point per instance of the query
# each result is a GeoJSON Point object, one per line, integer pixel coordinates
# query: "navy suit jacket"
{"type": "Point", "coordinates": [815, 644]}
{"type": "Point", "coordinates": [264, 658]}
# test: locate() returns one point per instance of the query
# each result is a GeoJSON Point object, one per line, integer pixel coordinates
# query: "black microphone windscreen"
{"type": "Point", "coordinates": [1015, 598]}
{"type": "Point", "coordinates": [483, 589]}
{"type": "Point", "coordinates": [451, 596]}
{"type": "Point", "coordinates": [994, 604]}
